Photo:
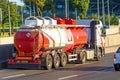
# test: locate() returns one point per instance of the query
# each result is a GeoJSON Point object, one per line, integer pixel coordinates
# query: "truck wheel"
{"type": "Point", "coordinates": [103, 52]}
{"type": "Point", "coordinates": [82, 57]}
{"type": "Point", "coordinates": [99, 54]}
{"type": "Point", "coordinates": [63, 59]}
{"type": "Point", "coordinates": [48, 62]}
{"type": "Point", "coordinates": [56, 60]}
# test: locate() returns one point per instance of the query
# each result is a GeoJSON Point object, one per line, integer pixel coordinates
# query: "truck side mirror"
{"type": "Point", "coordinates": [106, 27]}
{"type": "Point", "coordinates": [103, 31]}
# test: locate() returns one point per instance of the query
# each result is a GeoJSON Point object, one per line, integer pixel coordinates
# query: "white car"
{"type": "Point", "coordinates": [117, 60]}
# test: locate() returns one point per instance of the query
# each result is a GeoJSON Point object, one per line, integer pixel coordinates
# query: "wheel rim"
{"type": "Point", "coordinates": [83, 57]}
{"type": "Point", "coordinates": [99, 55]}
{"type": "Point", "coordinates": [49, 61]}
{"type": "Point", "coordinates": [63, 59]}
{"type": "Point", "coordinates": [56, 61]}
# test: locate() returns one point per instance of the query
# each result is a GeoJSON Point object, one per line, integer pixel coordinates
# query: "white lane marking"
{"type": "Point", "coordinates": [67, 77]}
{"type": "Point", "coordinates": [13, 76]}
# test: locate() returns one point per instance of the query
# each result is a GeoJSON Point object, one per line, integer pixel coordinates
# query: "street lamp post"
{"type": "Point", "coordinates": [0, 14]}
{"type": "Point", "coordinates": [34, 9]}
{"type": "Point", "coordinates": [103, 11]}
{"type": "Point", "coordinates": [29, 9]}
{"type": "Point", "coordinates": [22, 14]}
{"type": "Point", "coordinates": [9, 18]}
{"type": "Point", "coordinates": [23, 11]}
{"type": "Point", "coordinates": [108, 14]}
{"type": "Point", "coordinates": [76, 13]}
{"type": "Point", "coordinates": [66, 9]}
{"type": "Point", "coordinates": [90, 8]}
{"type": "Point", "coordinates": [0, 17]}
{"type": "Point", "coordinates": [98, 8]}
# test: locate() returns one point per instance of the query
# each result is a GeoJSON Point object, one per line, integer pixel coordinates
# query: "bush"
{"type": "Point", "coordinates": [114, 20]}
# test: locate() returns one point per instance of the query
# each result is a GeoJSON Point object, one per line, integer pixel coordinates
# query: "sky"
{"type": "Point", "coordinates": [18, 2]}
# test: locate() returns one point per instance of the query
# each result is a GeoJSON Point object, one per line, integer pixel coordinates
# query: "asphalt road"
{"type": "Point", "coordinates": [92, 70]}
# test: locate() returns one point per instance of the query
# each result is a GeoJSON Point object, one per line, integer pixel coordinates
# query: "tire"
{"type": "Point", "coordinates": [56, 61]}
{"type": "Point", "coordinates": [116, 67]}
{"type": "Point", "coordinates": [99, 55]}
{"type": "Point", "coordinates": [82, 57]}
{"type": "Point", "coordinates": [63, 59]}
{"type": "Point", "coordinates": [48, 62]}
{"type": "Point", "coordinates": [103, 52]}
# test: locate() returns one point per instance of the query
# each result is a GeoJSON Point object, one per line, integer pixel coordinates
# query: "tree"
{"type": "Point", "coordinates": [39, 5]}
{"type": "Point", "coordinates": [114, 20]}
{"type": "Point", "coordinates": [14, 16]}
{"type": "Point", "coordinates": [3, 6]}
{"type": "Point", "coordinates": [94, 16]}
{"type": "Point", "coordinates": [50, 6]}
{"type": "Point", "coordinates": [81, 5]}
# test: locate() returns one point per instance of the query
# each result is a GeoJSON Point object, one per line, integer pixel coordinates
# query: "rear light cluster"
{"type": "Point", "coordinates": [11, 61]}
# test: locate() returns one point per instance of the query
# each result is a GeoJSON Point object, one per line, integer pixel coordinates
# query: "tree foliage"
{"type": "Point", "coordinates": [114, 20]}
{"type": "Point", "coordinates": [50, 5]}
{"type": "Point", "coordinates": [81, 5]}
{"type": "Point", "coordinates": [94, 16]}
{"type": "Point", "coordinates": [14, 16]}
{"type": "Point", "coordinates": [39, 5]}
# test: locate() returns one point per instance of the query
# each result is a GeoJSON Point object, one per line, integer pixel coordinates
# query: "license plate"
{"type": "Point", "coordinates": [22, 61]}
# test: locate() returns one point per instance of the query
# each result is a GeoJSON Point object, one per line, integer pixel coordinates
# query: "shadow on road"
{"type": "Point", "coordinates": [91, 68]}
{"type": "Point", "coordinates": [6, 51]}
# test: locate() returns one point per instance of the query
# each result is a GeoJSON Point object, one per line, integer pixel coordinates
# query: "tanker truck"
{"type": "Point", "coordinates": [44, 43]}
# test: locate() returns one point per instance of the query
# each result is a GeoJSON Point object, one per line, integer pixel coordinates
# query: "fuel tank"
{"type": "Point", "coordinates": [27, 40]}
{"type": "Point", "coordinates": [33, 40]}
{"type": "Point", "coordinates": [76, 38]}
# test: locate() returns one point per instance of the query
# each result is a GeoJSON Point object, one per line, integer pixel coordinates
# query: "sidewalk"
{"type": "Point", "coordinates": [6, 40]}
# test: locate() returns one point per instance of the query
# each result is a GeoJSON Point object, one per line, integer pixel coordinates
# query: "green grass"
{"type": "Point", "coordinates": [6, 34]}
